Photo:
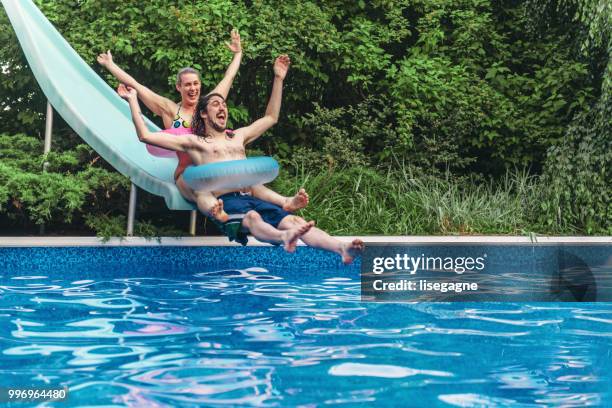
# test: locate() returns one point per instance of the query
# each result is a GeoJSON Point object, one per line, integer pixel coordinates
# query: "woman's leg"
{"type": "Point", "coordinates": [210, 205]}
{"type": "Point", "coordinates": [291, 204]}
{"type": "Point", "coordinates": [185, 190]}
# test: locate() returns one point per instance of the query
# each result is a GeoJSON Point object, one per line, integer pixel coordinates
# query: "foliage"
{"type": "Point", "coordinates": [579, 173]}
{"type": "Point", "coordinates": [404, 201]}
{"type": "Point", "coordinates": [594, 36]}
{"type": "Point", "coordinates": [76, 187]}
{"type": "Point", "coordinates": [60, 193]}
{"type": "Point", "coordinates": [460, 74]}
{"type": "Point", "coordinates": [468, 82]}
{"type": "Point", "coordinates": [347, 136]}
{"type": "Point", "coordinates": [459, 90]}
{"type": "Point", "coordinates": [107, 226]}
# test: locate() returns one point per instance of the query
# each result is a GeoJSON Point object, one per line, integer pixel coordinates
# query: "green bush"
{"type": "Point", "coordinates": [405, 201]}
{"type": "Point", "coordinates": [459, 90]}
{"type": "Point", "coordinates": [579, 175]}
{"type": "Point", "coordinates": [72, 185]}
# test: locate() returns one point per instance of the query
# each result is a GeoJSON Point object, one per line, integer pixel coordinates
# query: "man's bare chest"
{"type": "Point", "coordinates": [226, 148]}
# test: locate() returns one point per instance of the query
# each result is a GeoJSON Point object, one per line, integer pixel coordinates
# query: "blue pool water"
{"type": "Point", "coordinates": [166, 327]}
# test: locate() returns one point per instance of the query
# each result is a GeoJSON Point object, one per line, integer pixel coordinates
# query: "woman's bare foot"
{"type": "Point", "coordinates": [297, 202]}
{"type": "Point", "coordinates": [350, 250]}
{"type": "Point", "coordinates": [218, 213]}
{"type": "Point", "coordinates": [291, 236]}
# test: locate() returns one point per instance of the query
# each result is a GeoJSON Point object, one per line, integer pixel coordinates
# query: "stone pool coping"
{"type": "Point", "coordinates": [222, 241]}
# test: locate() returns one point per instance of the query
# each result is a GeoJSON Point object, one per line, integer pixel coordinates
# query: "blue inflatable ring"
{"type": "Point", "coordinates": [232, 174]}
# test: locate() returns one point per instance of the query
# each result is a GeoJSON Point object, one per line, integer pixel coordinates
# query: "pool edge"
{"type": "Point", "coordinates": [222, 241]}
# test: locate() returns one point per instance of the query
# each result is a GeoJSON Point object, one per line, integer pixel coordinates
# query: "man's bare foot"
{"type": "Point", "coordinates": [297, 202]}
{"type": "Point", "coordinates": [350, 250]}
{"type": "Point", "coordinates": [290, 236]}
{"type": "Point", "coordinates": [218, 213]}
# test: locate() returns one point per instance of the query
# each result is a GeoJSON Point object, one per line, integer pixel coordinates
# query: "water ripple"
{"type": "Point", "coordinates": [261, 337]}
{"type": "Point", "coordinates": [381, 370]}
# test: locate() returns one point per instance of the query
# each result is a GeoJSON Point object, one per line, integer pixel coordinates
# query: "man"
{"type": "Point", "coordinates": [211, 143]}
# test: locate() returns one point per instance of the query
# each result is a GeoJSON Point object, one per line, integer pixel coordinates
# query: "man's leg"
{"type": "Point", "coordinates": [318, 238]}
{"type": "Point", "coordinates": [265, 232]}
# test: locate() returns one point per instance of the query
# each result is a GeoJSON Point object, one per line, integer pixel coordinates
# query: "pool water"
{"type": "Point", "coordinates": [228, 326]}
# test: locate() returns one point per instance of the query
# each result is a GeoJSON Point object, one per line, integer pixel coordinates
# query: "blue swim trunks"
{"type": "Point", "coordinates": [236, 205]}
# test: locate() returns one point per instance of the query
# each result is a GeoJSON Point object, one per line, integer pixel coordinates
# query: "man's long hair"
{"type": "Point", "coordinates": [198, 126]}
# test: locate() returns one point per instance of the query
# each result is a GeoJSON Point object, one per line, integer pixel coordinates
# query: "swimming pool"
{"type": "Point", "coordinates": [212, 326]}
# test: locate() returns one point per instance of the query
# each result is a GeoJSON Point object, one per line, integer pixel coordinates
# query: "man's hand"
{"type": "Point", "coordinates": [105, 59]}
{"type": "Point", "coordinates": [235, 45]}
{"type": "Point", "coordinates": [281, 66]}
{"type": "Point", "coordinates": [127, 92]}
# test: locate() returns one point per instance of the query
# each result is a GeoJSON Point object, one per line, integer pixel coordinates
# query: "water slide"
{"type": "Point", "coordinates": [89, 105]}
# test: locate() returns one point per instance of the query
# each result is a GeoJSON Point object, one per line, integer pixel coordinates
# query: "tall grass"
{"type": "Point", "coordinates": [361, 201]}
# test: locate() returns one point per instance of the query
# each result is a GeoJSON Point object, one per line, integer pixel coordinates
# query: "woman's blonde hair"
{"type": "Point", "coordinates": [187, 70]}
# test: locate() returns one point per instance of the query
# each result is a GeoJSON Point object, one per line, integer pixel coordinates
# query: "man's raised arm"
{"type": "Point", "coordinates": [257, 128]}
{"type": "Point", "coordinates": [156, 103]}
{"type": "Point", "coordinates": [224, 86]}
{"type": "Point", "coordinates": [176, 143]}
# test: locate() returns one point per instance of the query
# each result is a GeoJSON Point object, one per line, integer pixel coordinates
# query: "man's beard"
{"type": "Point", "coordinates": [218, 128]}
